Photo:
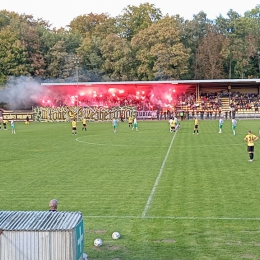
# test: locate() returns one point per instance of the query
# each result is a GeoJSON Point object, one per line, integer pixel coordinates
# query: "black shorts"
{"type": "Point", "coordinates": [74, 128]}
{"type": "Point", "coordinates": [84, 125]}
{"type": "Point", "coordinates": [196, 126]}
{"type": "Point", "coordinates": [250, 149]}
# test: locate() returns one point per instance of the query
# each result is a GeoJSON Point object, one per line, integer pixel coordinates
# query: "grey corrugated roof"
{"type": "Point", "coordinates": [39, 220]}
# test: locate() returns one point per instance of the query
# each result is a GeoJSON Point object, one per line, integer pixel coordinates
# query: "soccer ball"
{"type": "Point", "coordinates": [116, 235]}
{"type": "Point", "coordinates": [98, 242]}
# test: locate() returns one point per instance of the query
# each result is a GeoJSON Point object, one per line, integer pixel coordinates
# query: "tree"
{"type": "Point", "coordinates": [192, 33]}
{"type": "Point", "coordinates": [4, 18]}
{"type": "Point", "coordinates": [242, 44]}
{"type": "Point", "coordinates": [26, 29]}
{"type": "Point", "coordinates": [118, 59]}
{"type": "Point", "coordinates": [89, 24]}
{"type": "Point", "coordinates": [243, 52]}
{"type": "Point", "coordinates": [32, 44]}
{"type": "Point", "coordinates": [12, 55]}
{"type": "Point", "coordinates": [136, 19]}
{"type": "Point", "coordinates": [209, 59]}
{"type": "Point", "coordinates": [106, 28]}
{"type": "Point", "coordinates": [253, 17]}
{"type": "Point", "coordinates": [58, 65]}
{"type": "Point", "coordinates": [72, 41]}
{"type": "Point", "coordinates": [91, 57]}
{"type": "Point", "coordinates": [159, 52]}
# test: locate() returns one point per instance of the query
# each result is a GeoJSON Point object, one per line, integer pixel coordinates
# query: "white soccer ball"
{"type": "Point", "coordinates": [98, 242]}
{"type": "Point", "coordinates": [116, 235]}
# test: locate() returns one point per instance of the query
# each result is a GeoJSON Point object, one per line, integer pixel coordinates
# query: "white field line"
{"type": "Point", "coordinates": [114, 145]}
{"type": "Point", "coordinates": [149, 146]}
{"type": "Point", "coordinates": [174, 218]}
{"type": "Point", "coordinates": [158, 178]}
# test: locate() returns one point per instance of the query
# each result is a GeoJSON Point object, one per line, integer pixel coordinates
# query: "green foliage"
{"type": "Point", "coordinates": [86, 24]}
{"type": "Point", "coordinates": [192, 33]}
{"type": "Point", "coordinates": [4, 19]}
{"type": "Point", "coordinates": [12, 55]}
{"type": "Point", "coordinates": [90, 51]}
{"type": "Point", "coordinates": [58, 67]}
{"type": "Point", "coordinates": [72, 41]}
{"type": "Point", "coordinates": [135, 19]}
{"type": "Point", "coordinates": [159, 52]}
{"type": "Point", "coordinates": [158, 47]}
{"type": "Point", "coordinates": [118, 58]}
{"type": "Point", "coordinates": [205, 192]}
{"type": "Point", "coordinates": [209, 58]}
{"type": "Point", "coordinates": [242, 45]}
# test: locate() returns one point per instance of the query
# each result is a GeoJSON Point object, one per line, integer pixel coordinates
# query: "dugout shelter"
{"type": "Point", "coordinates": [40, 235]}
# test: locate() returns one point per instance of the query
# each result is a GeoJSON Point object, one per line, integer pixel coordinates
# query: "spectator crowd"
{"type": "Point", "coordinates": [209, 104]}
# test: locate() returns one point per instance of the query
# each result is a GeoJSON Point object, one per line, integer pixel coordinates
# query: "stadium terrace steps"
{"type": "Point", "coordinates": [225, 104]}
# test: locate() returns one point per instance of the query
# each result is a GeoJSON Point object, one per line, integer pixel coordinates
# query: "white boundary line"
{"type": "Point", "coordinates": [158, 178]}
{"type": "Point", "coordinates": [174, 218]}
{"type": "Point", "coordinates": [114, 145]}
{"type": "Point", "coordinates": [129, 145]}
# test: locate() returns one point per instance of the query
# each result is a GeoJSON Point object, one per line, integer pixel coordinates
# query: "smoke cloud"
{"type": "Point", "coordinates": [21, 93]}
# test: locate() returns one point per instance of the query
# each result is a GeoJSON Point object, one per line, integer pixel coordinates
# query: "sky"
{"type": "Point", "coordinates": [60, 13]}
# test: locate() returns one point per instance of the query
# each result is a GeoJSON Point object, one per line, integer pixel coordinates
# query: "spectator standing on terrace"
{"type": "Point", "coordinates": [122, 117]}
{"type": "Point", "coordinates": [74, 126]}
{"type": "Point", "coordinates": [27, 122]}
{"type": "Point", "coordinates": [220, 125]}
{"type": "Point", "coordinates": [53, 205]}
{"type": "Point", "coordinates": [12, 126]}
{"type": "Point", "coordinates": [234, 125]}
{"type": "Point", "coordinates": [196, 126]}
{"type": "Point", "coordinates": [84, 124]}
{"type": "Point", "coordinates": [181, 115]}
{"type": "Point", "coordinates": [250, 139]}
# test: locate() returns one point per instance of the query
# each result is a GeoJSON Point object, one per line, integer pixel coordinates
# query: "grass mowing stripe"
{"type": "Point", "coordinates": [158, 178]}
{"type": "Point", "coordinates": [206, 205]}
{"type": "Point", "coordinates": [174, 218]}
{"type": "Point", "coordinates": [207, 145]}
{"type": "Point", "coordinates": [113, 145]}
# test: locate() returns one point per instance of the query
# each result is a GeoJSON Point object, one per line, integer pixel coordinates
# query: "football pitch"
{"type": "Point", "coordinates": [178, 196]}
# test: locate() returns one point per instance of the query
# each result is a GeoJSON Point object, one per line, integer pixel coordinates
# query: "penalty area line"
{"type": "Point", "coordinates": [158, 178]}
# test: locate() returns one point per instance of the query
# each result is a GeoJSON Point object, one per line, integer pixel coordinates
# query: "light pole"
{"type": "Point", "coordinates": [77, 60]}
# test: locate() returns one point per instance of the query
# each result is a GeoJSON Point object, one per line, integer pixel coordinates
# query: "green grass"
{"type": "Point", "coordinates": [183, 196]}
